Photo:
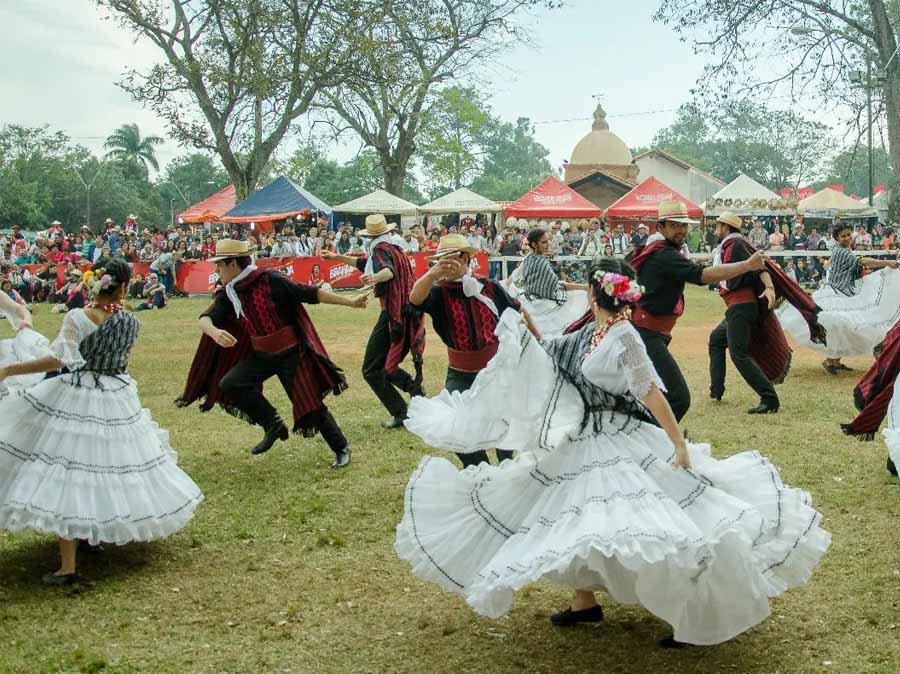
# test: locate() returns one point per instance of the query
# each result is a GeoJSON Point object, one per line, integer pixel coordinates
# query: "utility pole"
{"type": "Point", "coordinates": [869, 121]}
{"type": "Point", "coordinates": [87, 188]}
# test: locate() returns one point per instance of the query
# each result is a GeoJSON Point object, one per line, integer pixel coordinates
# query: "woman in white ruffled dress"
{"type": "Point", "coordinates": [599, 496]}
{"type": "Point", "coordinates": [552, 304]}
{"type": "Point", "coordinates": [857, 310]}
{"type": "Point", "coordinates": [26, 345]}
{"type": "Point", "coordinates": [79, 457]}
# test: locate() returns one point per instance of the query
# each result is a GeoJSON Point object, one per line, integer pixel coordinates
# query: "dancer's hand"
{"type": "Point", "coordinates": [360, 301]}
{"type": "Point", "coordinates": [367, 279]}
{"type": "Point", "coordinates": [893, 264]}
{"type": "Point", "coordinates": [224, 339]}
{"type": "Point", "coordinates": [682, 459]}
{"type": "Point", "coordinates": [26, 322]}
{"type": "Point", "coordinates": [328, 255]}
{"type": "Point", "coordinates": [757, 262]}
{"type": "Point", "coordinates": [769, 294]}
{"type": "Point", "coordinates": [3, 373]}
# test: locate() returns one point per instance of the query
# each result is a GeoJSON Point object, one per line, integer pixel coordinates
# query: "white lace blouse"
{"type": "Point", "coordinates": [66, 347]}
{"type": "Point", "coordinates": [619, 363]}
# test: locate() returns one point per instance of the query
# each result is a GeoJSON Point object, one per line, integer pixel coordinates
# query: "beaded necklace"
{"type": "Point", "coordinates": [111, 308]}
{"type": "Point", "coordinates": [600, 333]}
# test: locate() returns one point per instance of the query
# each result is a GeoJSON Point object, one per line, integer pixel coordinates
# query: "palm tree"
{"type": "Point", "coordinates": [126, 145]}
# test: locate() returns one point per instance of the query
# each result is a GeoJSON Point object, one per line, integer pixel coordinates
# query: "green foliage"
{"type": "Point", "coordinates": [778, 148]}
{"type": "Point", "coordinates": [850, 168]}
{"type": "Point", "coordinates": [190, 178]}
{"type": "Point", "coordinates": [452, 139]}
{"type": "Point", "coordinates": [514, 161]}
{"type": "Point", "coordinates": [134, 152]}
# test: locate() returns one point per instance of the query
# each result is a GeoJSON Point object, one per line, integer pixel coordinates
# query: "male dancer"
{"type": "Point", "coordinates": [464, 312]}
{"type": "Point", "coordinates": [397, 332]}
{"type": "Point", "coordinates": [876, 393]}
{"type": "Point", "coordinates": [765, 359]}
{"type": "Point", "coordinates": [255, 328]}
{"type": "Point", "coordinates": [663, 267]}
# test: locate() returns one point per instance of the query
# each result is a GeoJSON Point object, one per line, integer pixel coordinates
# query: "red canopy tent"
{"type": "Point", "coordinates": [210, 209]}
{"type": "Point", "coordinates": [642, 203]}
{"type": "Point", "coordinates": [552, 199]}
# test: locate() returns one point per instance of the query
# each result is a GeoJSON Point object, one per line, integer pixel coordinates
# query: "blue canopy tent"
{"type": "Point", "coordinates": [280, 199]}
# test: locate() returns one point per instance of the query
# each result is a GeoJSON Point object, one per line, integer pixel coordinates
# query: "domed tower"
{"type": "Point", "coordinates": [601, 149]}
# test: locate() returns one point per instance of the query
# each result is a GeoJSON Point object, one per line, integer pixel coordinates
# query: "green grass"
{"type": "Point", "coordinates": [289, 566]}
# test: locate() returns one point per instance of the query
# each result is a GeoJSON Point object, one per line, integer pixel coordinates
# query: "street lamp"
{"type": "Point", "coordinates": [87, 188]}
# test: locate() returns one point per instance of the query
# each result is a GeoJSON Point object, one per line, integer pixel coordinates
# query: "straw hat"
{"type": "Point", "coordinates": [376, 225]}
{"type": "Point", "coordinates": [730, 219]}
{"type": "Point", "coordinates": [454, 243]}
{"type": "Point", "coordinates": [227, 249]}
{"type": "Point", "coordinates": [675, 211]}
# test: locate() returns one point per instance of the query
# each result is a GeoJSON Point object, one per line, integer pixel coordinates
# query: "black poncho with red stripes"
{"type": "Point", "coordinates": [875, 390]}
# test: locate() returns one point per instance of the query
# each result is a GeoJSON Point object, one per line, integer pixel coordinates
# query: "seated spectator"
{"type": "Point", "coordinates": [153, 293]}
{"type": "Point", "coordinates": [136, 287]}
{"type": "Point", "coordinates": [316, 280]}
{"type": "Point", "coordinates": [72, 294]}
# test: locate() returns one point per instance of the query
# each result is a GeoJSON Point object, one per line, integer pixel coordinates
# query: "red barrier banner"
{"type": "Point", "coordinates": [199, 277]}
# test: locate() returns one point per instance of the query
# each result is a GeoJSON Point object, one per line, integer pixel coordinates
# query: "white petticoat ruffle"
{"type": "Point", "coordinates": [27, 345]}
{"type": "Point", "coordinates": [550, 317]}
{"type": "Point", "coordinates": [891, 432]}
{"type": "Point", "coordinates": [855, 324]}
{"type": "Point", "coordinates": [80, 458]}
{"type": "Point", "coordinates": [703, 549]}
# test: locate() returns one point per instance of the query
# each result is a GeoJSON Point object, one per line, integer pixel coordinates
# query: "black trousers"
{"type": "Point", "coordinates": [734, 333]}
{"type": "Point", "coordinates": [383, 384]}
{"type": "Point", "coordinates": [241, 382]}
{"type": "Point", "coordinates": [462, 381]}
{"type": "Point", "coordinates": [677, 392]}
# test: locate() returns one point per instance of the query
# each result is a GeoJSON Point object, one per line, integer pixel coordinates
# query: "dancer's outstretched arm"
{"type": "Point", "coordinates": [532, 328]}
{"type": "Point", "coordinates": [659, 407]}
{"type": "Point", "coordinates": [45, 364]}
{"type": "Point", "coordinates": [13, 308]}
{"type": "Point", "coordinates": [875, 263]}
{"type": "Point", "coordinates": [726, 272]}
{"type": "Point", "coordinates": [221, 337]}
{"type": "Point", "coordinates": [355, 302]}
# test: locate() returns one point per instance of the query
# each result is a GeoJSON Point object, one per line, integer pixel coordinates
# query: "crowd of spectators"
{"type": "Point", "coordinates": [58, 255]}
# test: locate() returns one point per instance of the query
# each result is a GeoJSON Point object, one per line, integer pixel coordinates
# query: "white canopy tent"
{"type": "Point", "coordinates": [744, 196]}
{"type": "Point", "coordinates": [462, 200]}
{"type": "Point", "coordinates": [378, 201]}
{"type": "Point", "coordinates": [829, 203]}
{"type": "Point", "coordinates": [880, 201]}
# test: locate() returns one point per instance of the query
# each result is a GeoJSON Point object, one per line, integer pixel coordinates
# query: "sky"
{"type": "Point", "coordinates": [66, 59]}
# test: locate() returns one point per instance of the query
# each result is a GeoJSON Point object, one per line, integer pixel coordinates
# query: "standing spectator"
{"type": "Point", "coordinates": [798, 240]}
{"type": "Point", "coordinates": [812, 241]}
{"type": "Point", "coordinates": [758, 236]}
{"type": "Point", "coordinates": [619, 241]}
{"type": "Point", "coordinates": [639, 238]}
{"type": "Point", "coordinates": [344, 244]}
{"type": "Point", "coordinates": [164, 266]}
{"type": "Point", "coordinates": [776, 240]}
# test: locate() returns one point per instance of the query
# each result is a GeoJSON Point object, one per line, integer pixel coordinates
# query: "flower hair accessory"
{"type": "Point", "coordinates": [619, 287]}
{"type": "Point", "coordinates": [100, 281]}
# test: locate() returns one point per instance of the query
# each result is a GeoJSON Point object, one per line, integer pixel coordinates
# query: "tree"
{"type": "Point", "coordinates": [337, 183]}
{"type": "Point", "coordinates": [802, 47]}
{"type": "Point", "coordinates": [126, 145]}
{"type": "Point", "coordinates": [514, 161]}
{"type": "Point", "coordinates": [778, 148]}
{"type": "Point", "coordinates": [190, 178]}
{"type": "Point", "coordinates": [238, 74]}
{"type": "Point", "coordinates": [850, 168]}
{"type": "Point", "coordinates": [452, 139]}
{"type": "Point", "coordinates": [411, 47]}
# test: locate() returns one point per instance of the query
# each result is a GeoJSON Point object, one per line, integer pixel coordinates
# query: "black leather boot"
{"type": "Point", "coordinates": [276, 431]}
{"type": "Point", "coordinates": [395, 422]}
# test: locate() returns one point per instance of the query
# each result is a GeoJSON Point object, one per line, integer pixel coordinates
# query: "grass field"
{"type": "Point", "coordinates": [289, 566]}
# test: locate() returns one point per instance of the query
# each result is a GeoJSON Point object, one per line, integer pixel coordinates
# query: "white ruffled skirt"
{"type": "Point", "coordinates": [26, 345]}
{"type": "Point", "coordinates": [892, 430]}
{"type": "Point", "coordinates": [81, 459]}
{"type": "Point", "coordinates": [703, 549]}
{"type": "Point", "coordinates": [856, 324]}
{"type": "Point", "coordinates": [551, 318]}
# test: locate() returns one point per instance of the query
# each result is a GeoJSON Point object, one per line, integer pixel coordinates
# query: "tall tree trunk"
{"type": "Point", "coordinates": [394, 177]}
{"type": "Point", "coordinates": [886, 44]}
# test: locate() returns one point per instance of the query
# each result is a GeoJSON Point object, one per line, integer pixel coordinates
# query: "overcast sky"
{"type": "Point", "coordinates": [62, 60]}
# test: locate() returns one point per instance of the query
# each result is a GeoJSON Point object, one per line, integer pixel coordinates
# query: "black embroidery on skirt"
{"type": "Point", "coordinates": [117, 518]}
{"type": "Point", "coordinates": [70, 464]}
{"type": "Point", "coordinates": [47, 410]}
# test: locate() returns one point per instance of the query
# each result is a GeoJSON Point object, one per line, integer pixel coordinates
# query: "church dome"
{"type": "Point", "coordinates": [601, 146]}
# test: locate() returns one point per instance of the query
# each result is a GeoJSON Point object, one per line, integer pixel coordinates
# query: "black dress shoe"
{"type": "Point", "coordinates": [84, 546]}
{"type": "Point", "coordinates": [670, 642]}
{"type": "Point", "coordinates": [395, 422]}
{"type": "Point", "coordinates": [764, 408]}
{"type": "Point", "coordinates": [417, 390]}
{"type": "Point", "coordinates": [277, 431]}
{"type": "Point", "coordinates": [843, 368]}
{"type": "Point", "coordinates": [60, 580]}
{"type": "Point", "coordinates": [342, 458]}
{"type": "Point", "coordinates": [569, 617]}
{"type": "Point", "coordinates": [716, 396]}
{"type": "Point", "coordinates": [829, 368]}
{"type": "Point", "coordinates": [892, 467]}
